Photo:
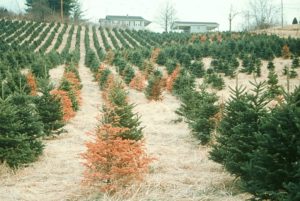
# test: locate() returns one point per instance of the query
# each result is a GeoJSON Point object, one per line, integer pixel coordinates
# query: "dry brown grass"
{"type": "Point", "coordinates": [243, 79]}
{"type": "Point", "coordinates": [56, 75]}
{"type": "Point", "coordinates": [285, 32]}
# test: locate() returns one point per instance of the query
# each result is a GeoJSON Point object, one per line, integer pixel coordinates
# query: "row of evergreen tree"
{"type": "Point", "coordinates": [255, 140]}
{"type": "Point", "coordinates": [29, 111]}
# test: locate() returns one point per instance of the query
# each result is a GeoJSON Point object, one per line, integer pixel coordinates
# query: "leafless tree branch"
{"type": "Point", "coordinates": [167, 16]}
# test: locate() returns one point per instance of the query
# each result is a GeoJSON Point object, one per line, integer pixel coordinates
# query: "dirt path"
{"type": "Point", "coordinates": [56, 75]}
{"type": "Point", "coordinates": [58, 173]}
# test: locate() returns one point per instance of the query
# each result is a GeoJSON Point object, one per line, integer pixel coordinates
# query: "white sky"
{"type": "Point", "coordinates": [187, 10]}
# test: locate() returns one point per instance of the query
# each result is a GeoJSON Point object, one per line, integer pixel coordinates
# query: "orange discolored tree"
{"type": "Point", "coordinates": [286, 52]}
{"type": "Point", "coordinates": [138, 82]}
{"type": "Point", "coordinates": [112, 163]}
{"type": "Point", "coordinates": [171, 79]}
{"type": "Point", "coordinates": [66, 103]}
{"type": "Point", "coordinates": [31, 81]}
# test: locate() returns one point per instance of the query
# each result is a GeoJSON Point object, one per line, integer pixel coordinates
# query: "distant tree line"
{"type": "Point", "coordinates": [49, 9]}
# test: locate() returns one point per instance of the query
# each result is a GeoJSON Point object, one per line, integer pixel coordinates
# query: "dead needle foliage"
{"type": "Point", "coordinates": [65, 102]}
{"type": "Point", "coordinates": [138, 82]}
{"type": "Point", "coordinates": [32, 84]}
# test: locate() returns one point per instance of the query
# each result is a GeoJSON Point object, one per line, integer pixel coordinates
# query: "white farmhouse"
{"type": "Point", "coordinates": [194, 27]}
{"type": "Point", "coordinates": [126, 22]}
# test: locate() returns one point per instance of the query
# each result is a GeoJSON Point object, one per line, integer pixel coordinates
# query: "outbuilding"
{"type": "Point", "coordinates": [194, 27]}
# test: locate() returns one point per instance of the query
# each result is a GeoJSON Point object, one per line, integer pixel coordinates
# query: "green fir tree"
{"type": "Point", "coordinates": [273, 87]}
{"type": "Point", "coordinates": [49, 109]}
{"type": "Point", "coordinates": [241, 120]}
{"type": "Point", "coordinates": [198, 108]}
{"type": "Point", "coordinates": [21, 130]}
{"type": "Point", "coordinates": [271, 65]}
{"type": "Point", "coordinates": [128, 74]}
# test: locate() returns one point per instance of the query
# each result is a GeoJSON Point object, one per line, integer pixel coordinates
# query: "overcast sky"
{"type": "Point", "coordinates": [187, 10]}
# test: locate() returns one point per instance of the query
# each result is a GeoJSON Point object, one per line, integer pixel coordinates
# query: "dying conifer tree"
{"type": "Point", "coordinates": [154, 89]}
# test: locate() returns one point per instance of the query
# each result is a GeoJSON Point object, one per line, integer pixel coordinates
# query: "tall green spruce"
{"type": "Point", "coordinates": [273, 87]}
{"type": "Point", "coordinates": [21, 129]}
{"type": "Point", "coordinates": [261, 146]}
{"type": "Point", "coordinates": [49, 108]}
{"type": "Point", "coordinates": [241, 119]}
{"type": "Point", "coordinates": [171, 66]}
{"type": "Point", "coordinates": [273, 171]}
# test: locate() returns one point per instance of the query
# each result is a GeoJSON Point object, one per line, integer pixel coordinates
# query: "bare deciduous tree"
{"type": "Point", "coordinates": [232, 15]}
{"type": "Point", "coordinates": [264, 13]}
{"type": "Point", "coordinates": [167, 16]}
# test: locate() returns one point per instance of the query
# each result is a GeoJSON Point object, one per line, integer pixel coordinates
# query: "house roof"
{"type": "Point", "coordinates": [195, 23]}
{"type": "Point", "coordinates": [126, 17]}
